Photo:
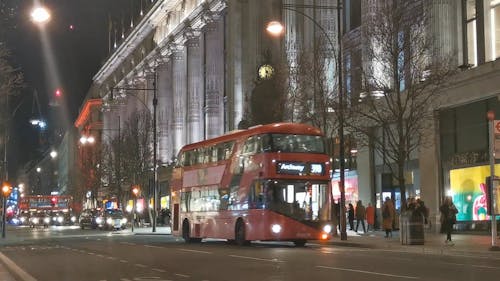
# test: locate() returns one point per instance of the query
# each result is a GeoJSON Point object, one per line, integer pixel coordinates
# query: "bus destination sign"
{"type": "Point", "coordinates": [299, 168]}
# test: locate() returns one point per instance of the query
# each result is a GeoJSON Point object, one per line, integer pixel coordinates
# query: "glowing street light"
{"type": "Point", "coordinates": [53, 154]}
{"type": "Point", "coordinates": [40, 14]}
{"type": "Point", "coordinates": [275, 28]}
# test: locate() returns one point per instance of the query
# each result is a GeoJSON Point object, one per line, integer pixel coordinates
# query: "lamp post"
{"type": "Point", "coordinates": [6, 190]}
{"type": "Point", "coordinates": [135, 193]}
{"type": "Point", "coordinates": [155, 142]}
{"type": "Point", "coordinates": [276, 28]}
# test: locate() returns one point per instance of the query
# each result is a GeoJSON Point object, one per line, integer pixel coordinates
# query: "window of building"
{"type": "Point", "coordinates": [471, 31]}
{"type": "Point", "coordinates": [495, 28]}
{"type": "Point", "coordinates": [352, 14]}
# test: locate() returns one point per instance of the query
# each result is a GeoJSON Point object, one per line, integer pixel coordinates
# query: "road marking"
{"type": "Point", "coordinates": [123, 261]}
{"type": "Point", "coordinates": [159, 270]}
{"type": "Point", "coordinates": [90, 253]}
{"type": "Point", "coordinates": [195, 251]}
{"type": "Point", "coordinates": [140, 265]}
{"type": "Point", "coordinates": [182, 275]}
{"type": "Point", "coordinates": [368, 272]}
{"type": "Point", "coordinates": [473, 265]}
{"type": "Point", "coordinates": [111, 258]}
{"type": "Point", "coordinates": [151, 246]}
{"type": "Point", "coordinates": [101, 256]}
{"type": "Point", "coordinates": [128, 243]}
{"type": "Point", "coordinates": [25, 276]}
{"type": "Point", "coordinates": [257, 259]}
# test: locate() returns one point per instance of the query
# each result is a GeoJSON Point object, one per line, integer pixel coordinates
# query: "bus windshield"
{"type": "Point", "coordinates": [294, 143]}
{"type": "Point", "coordinates": [303, 201]}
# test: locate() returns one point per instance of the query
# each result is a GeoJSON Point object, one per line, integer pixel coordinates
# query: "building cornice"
{"type": "Point", "coordinates": [131, 43]}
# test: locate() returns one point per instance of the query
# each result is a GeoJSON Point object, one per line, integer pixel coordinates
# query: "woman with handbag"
{"type": "Point", "coordinates": [448, 217]}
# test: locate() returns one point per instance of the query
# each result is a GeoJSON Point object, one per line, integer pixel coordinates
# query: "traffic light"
{"type": "Point", "coordinates": [58, 92]}
{"type": "Point", "coordinates": [53, 201]}
{"type": "Point", "coordinates": [6, 189]}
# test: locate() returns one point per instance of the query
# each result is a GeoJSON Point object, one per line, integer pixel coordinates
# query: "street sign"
{"type": "Point", "coordinates": [495, 200]}
{"type": "Point", "coordinates": [496, 140]}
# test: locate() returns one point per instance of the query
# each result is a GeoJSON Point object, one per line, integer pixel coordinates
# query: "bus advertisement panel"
{"type": "Point", "coordinates": [267, 183]}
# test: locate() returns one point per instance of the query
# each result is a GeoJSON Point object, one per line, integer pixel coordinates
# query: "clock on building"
{"type": "Point", "coordinates": [266, 71]}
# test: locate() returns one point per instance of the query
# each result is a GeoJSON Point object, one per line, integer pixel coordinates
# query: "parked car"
{"type": "Point", "coordinates": [112, 219]}
{"type": "Point", "coordinates": [39, 219]}
{"type": "Point", "coordinates": [88, 218]}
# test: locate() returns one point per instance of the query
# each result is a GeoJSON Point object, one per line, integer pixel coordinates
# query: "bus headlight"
{"type": "Point", "coordinates": [35, 220]}
{"type": "Point", "coordinates": [60, 219]}
{"type": "Point", "coordinates": [124, 221]}
{"type": "Point", "coordinates": [23, 219]}
{"type": "Point", "coordinates": [276, 228]}
{"type": "Point", "coordinates": [109, 221]}
{"type": "Point", "coordinates": [327, 228]}
{"type": "Point", "coordinates": [73, 219]}
{"type": "Point", "coordinates": [98, 220]}
{"type": "Point", "coordinates": [46, 220]}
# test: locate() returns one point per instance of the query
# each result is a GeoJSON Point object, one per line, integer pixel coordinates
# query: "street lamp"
{"type": "Point", "coordinates": [276, 28]}
{"type": "Point", "coordinates": [155, 142]}
{"type": "Point", "coordinates": [40, 14]}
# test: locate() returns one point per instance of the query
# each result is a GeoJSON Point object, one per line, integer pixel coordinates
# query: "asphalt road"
{"type": "Point", "coordinates": [91, 255]}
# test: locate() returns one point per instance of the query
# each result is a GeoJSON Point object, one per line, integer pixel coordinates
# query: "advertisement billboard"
{"type": "Point", "coordinates": [351, 187]}
{"type": "Point", "coordinates": [468, 189]}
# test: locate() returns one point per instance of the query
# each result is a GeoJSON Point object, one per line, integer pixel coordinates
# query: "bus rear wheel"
{"type": "Point", "coordinates": [239, 235]}
{"type": "Point", "coordinates": [299, 243]}
{"type": "Point", "coordinates": [186, 233]}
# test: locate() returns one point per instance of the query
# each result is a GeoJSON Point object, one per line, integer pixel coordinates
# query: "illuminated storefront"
{"type": "Point", "coordinates": [468, 189]}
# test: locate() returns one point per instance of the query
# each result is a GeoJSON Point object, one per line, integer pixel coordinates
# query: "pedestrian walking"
{"type": "Point", "coordinates": [360, 215]}
{"type": "Point", "coordinates": [350, 216]}
{"type": "Point", "coordinates": [448, 218]}
{"type": "Point", "coordinates": [388, 213]}
{"type": "Point", "coordinates": [370, 217]}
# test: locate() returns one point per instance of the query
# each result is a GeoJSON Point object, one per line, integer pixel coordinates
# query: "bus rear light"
{"type": "Point", "coordinates": [324, 236]}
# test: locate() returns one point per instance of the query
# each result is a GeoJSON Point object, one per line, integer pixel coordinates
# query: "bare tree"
{"type": "Point", "coordinates": [401, 76]}
{"type": "Point", "coordinates": [127, 158]}
{"type": "Point", "coordinates": [312, 89]}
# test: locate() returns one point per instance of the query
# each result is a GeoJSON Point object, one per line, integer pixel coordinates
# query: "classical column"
{"type": "Point", "coordinates": [195, 85]}
{"type": "Point", "coordinates": [214, 80]}
{"type": "Point", "coordinates": [165, 111]}
{"type": "Point", "coordinates": [179, 95]}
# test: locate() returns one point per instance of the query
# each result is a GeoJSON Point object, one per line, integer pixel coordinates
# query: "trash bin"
{"type": "Point", "coordinates": [411, 226]}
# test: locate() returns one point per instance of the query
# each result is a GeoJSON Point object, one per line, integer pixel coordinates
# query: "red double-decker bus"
{"type": "Point", "coordinates": [268, 183]}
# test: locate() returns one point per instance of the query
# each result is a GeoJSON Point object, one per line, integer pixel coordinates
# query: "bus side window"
{"type": "Point", "coordinates": [224, 198]}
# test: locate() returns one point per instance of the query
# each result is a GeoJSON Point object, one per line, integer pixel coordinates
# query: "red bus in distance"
{"type": "Point", "coordinates": [267, 183]}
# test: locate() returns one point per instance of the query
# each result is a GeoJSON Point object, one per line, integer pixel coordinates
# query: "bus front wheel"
{"type": "Point", "coordinates": [299, 243]}
{"type": "Point", "coordinates": [240, 234]}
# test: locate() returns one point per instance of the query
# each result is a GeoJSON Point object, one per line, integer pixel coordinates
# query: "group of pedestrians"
{"type": "Point", "coordinates": [417, 207]}
{"type": "Point", "coordinates": [361, 213]}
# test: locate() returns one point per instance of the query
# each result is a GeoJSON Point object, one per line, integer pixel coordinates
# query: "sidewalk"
{"type": "Point", "coordinates": [160, 230]}
{"type": "Point", "coordinates": [434, 243]}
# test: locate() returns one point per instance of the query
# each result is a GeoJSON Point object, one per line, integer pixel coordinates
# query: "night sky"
{"type": "Point", "coordinates": [78, 33]}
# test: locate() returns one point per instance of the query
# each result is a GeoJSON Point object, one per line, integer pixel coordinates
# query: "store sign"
{"type": "Point", "coordinates": [300, 168]}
